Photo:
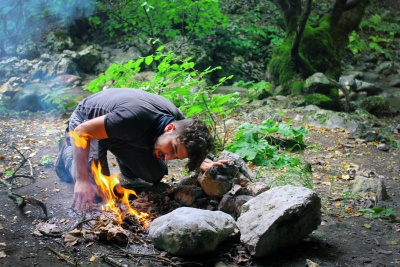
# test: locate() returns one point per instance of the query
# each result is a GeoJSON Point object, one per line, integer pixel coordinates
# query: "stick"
{"type": "Point", "coordinates": [155, 256]}
{"type": "Point", "coordinates": [112, 262]}
{"type": "Point", "coordinates": [62, 256]}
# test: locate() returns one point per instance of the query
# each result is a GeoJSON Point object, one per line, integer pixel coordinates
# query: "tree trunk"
{"type": "Point", "coordinates": [313, 48]}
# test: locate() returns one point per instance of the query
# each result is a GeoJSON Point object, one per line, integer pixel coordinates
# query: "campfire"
{"type": "Point", "coordinates": [114, 196]}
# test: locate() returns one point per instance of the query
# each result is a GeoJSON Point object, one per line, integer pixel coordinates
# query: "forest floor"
{"type": "Point", "coordinates": [346, 237]}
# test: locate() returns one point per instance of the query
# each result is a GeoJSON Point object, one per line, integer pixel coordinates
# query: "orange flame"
{"type": "Point", "coordinates": [79, 140]}
{"type": "Point", "coordinates": [113, 193]}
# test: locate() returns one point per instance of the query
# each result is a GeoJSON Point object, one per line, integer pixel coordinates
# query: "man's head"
{"type": "Point", "coordinates": [187, 138]}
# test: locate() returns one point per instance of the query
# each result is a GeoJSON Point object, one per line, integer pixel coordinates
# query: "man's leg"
{"type": "Point", "coordinates": [64, 164]}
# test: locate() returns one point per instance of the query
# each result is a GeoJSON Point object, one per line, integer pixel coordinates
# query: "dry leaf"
{"type": "Point", "coordinates": [70, 239]}
{"type": "Point", "coordinates": [366, 225]}
{"type": "Point", "coordinates": [349, 209]}
{"type": "Point", "coordinates": [92, 259]}
{"type": "Point", "coordinates": [392, 242]}
{"type": "Point", "coordinates": [310, 263]}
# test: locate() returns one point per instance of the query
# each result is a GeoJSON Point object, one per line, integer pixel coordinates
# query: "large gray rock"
{"type": "Point", "coordinates": [277, 218]}
{"type": "Point", "coordinates": [59, 41]}
{"type": "Point", "coordinates": [318, 83]}
{"type": "Point", "coordinates": [89, 57]}
{"type": "Point", "coordinates": [372, 186]}
{"type": "Point", "coordinates": [190, 231]}
{"type": "Point", "coordinates": [331, 120]}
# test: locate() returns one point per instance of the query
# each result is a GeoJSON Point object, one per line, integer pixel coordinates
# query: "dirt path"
{"type": "Point", "coordinates": [345, 237]}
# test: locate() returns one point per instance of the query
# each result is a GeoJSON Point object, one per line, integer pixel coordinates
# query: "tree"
{"type": "Point", "coordinates": [313, 46]}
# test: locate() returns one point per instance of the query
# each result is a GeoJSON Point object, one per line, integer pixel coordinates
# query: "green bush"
{"type": "Point", "coordinates": [261, 144]}
{"type": "Point", "coordinates": [177, 80]}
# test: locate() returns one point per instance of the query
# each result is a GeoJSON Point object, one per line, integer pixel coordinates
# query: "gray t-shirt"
{"type": "Point", "coordinates": [132, 116]}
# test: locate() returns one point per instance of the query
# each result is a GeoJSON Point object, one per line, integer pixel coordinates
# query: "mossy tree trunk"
{"type": "Point", "coordinates": [311, 47]}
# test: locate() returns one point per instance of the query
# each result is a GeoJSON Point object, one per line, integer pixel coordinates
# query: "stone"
{"type": "Point", "coordinates": [231, 204]}
{"type": "Point", "coordinates": [280, 217]}
{"type": "Point", "coordinates": [374, 186]}
{"type": "Point", "coordinates": [190, 231]}
{"type": "Point", "coordinates": [217, 180]}
{"type": "Point", "coordinates": [318, 83]}
{"type": "Point", "coordinates": [188, 191]}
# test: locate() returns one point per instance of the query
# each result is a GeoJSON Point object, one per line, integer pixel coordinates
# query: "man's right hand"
{"type": "Point", "coordinates": [84, 192]}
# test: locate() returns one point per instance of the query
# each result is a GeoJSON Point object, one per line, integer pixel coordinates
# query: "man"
{"type": "Point", "coordinates": [141, 129]}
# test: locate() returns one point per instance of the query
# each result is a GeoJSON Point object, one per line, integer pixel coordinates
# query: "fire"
{"type": "Point", "coordinates": [109, 189]}
{"type": "Point", "coordinates": [79, 140]}
{"type": "Point", "coordinates": [113, 193]}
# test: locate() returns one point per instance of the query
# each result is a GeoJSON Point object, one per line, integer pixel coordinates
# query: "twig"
{"type": "Point", "coordinates": [154, 256]}
{"type": "Point", "coordinates": [112, 262]}
{"type": "Point", "coordinates": [81, 221]}
{"type": "Point", "coordinates": [62, 256]}
{"type": "Point", "coordinates": [24, 160]}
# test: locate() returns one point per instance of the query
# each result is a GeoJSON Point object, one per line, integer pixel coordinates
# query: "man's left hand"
{"type": "Point", "coordinates": [208, 163]}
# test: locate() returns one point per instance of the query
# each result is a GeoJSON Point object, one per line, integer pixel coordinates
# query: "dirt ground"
{"type": "Point", "coordinates": [344, 238]}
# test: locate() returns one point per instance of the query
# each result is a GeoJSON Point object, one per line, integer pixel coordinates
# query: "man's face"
{"type": "Point", "coordinates": [167, 147]}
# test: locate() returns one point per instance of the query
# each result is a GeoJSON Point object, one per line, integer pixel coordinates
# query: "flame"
{"type": "Point", "coordinates": [113, 194]}
{"type": "Point", "coordinates": [80, 140]}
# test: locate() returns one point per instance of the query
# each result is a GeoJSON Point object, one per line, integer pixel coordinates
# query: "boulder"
{"type": "Point", "coordinates": [280, 217]}
{"type": "Point", "coordinates": [318, 83]}
{"type": "Point", "coordinates": [372, 186]}
{"type": "Point", "coordinates": [190, 231]}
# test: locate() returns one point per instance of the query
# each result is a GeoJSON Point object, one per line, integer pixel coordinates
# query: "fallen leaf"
{"type": "Point", "coordinates": [392, 242]}
{"type": "Point", "coordinates": [366, 225]}
{"type": "Point", "coordinates": [310, 263]}
{"type": "Point", "coordinates": [56, 190]}
{"type": "Point", "coordinates": [92, 259]}
{"type": "Point", "coordinates": [2, 254]}
{"type": "Point", "coordinates": [349, 209]}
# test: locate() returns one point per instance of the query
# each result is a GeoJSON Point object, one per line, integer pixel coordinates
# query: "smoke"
{"type": "Point", "coordinates": [25, 19]}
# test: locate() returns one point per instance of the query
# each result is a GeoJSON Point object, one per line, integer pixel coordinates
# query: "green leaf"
{"type": "Point", "coordinates": [149, 60]}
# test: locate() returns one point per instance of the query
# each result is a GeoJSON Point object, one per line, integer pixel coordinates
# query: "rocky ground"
{"type": "Point", "coordinates": [346, 237]}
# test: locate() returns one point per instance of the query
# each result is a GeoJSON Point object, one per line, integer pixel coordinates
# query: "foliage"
{"type": "Point", "coordinates": [254, 89]}
{"type": "Point", "coordinates": [297, 87]}
{"type": "Point", "coordinates": [378, 212]}
{"type": "Point", "coordinates": [256, 143]}
{"type": "Point", "coordinates": [381, 36]}
{"type": "Point", "coordinates": [46, 161]}
{"type": "Point", "coordinates": [294, 176]}
{"type": "Point", "coordinates": [356, 44]}
{"type": "Point", "coordinates": [177, 80]}
{"type": "Point", "coordinates": [160, 19]}
{"type": "Point", "coordinates": [251, 33]}
{"type": "Point", "coordinates": [64, 101]}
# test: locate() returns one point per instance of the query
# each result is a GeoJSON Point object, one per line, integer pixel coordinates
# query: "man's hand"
{"type": "Point", "coordinates": [84, 192]}
{"type": "Point", "coordinates": [208, 163]}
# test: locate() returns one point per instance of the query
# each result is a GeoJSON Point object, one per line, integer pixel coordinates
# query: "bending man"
{"type": "Point", "coordinates": [141, 129]}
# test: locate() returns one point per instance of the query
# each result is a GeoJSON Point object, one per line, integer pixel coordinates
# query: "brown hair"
{"type": "Point", "coordinates": [196, 137]}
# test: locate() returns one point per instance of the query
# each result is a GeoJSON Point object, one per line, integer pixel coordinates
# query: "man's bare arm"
{"type": "Point", "coordinates": [84, 188]}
